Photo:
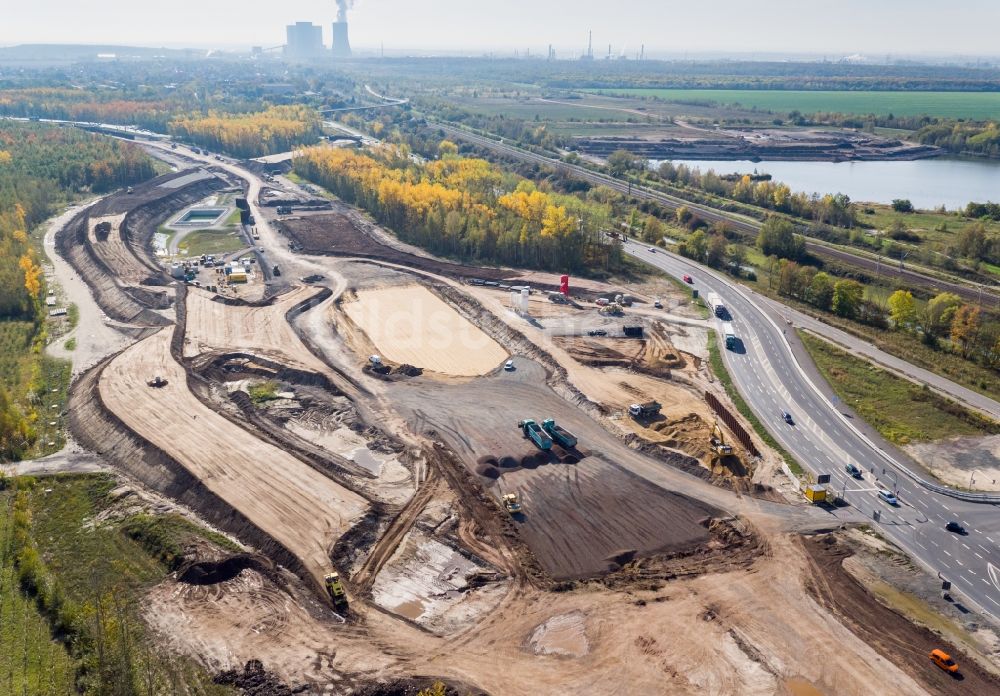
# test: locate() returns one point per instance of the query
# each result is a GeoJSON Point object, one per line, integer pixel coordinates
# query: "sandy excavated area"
{"type": "Point", "coordinates": [217, 326]}
{"type": "Point", "coordinates": [301, 509]}
{"type": "Point", "coordinates": [411, 325]}
{"type": "Point", "coordinates": [755, 632]}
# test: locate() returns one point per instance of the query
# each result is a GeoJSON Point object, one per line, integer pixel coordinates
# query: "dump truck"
{"type": "Point", "coordinates": [646, 410]}
{"type": "Point", "coordinates": [718, 441]}
{"type": "Point", "coordinates": [815, 493]}
{"type": "Point", "coordinates": [559, 434]}
{"type": "Point", "coordinates": [534, 432]}
{"type": "Point", "coordinates": [511, 503]}
{"type": "Point", "coordinates": [335, 588]}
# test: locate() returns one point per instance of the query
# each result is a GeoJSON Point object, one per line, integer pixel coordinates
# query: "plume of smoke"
{"type": "Point", "coordinates": [342, 7]}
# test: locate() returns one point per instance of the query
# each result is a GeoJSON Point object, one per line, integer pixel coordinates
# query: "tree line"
{"type": "Point", "coordinates": [468, 208]}
{"type": "Point", "coordinates": [278, 129]}
{"type": "Point", "coordinates": [40, 167]}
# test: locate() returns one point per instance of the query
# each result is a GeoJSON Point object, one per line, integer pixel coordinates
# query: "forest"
{"type": "Point", "coordinates": [278, 129]}
{"type": "Point", "coordinates": [41, 167]}
{"type": "Point", "coordinates": [468, 208]}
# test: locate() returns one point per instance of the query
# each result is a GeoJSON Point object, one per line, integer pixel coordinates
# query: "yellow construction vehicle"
{"type": "Point", "coordinates": [511, 504]}
{"type": "Point", "coordinates": [815, 494]}
{"type": "Point", "coordinates": [718, 441]}
{"type": "Point", "coordinates": [335, 588]}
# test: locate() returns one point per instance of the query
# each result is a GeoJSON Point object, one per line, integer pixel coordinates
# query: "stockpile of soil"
{"type": "Point", "coordinates": [254, 680]}
{"type": "Point", "coordinates": [890, 634]}
{"type": "Point", "coordinates": [408, 370]}
{"type": "Point", "coordinates": [412, 687]}
{"type": "Point", "coordinates": [487, 467]}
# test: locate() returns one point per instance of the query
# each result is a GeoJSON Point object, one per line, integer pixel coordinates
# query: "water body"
{"type": "Point", "coordinates": [927, 183]}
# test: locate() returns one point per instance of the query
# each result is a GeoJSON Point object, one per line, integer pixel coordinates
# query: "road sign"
{"type": "Point", "coordinates": [823, 478]}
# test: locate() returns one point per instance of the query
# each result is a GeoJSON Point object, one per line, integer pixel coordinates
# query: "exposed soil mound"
{"type": "Point", "coordinates": [212, 572]}
{"type": "Point", "coordinates": [408, 371]}
{"type": "Point", "coordinates": [254, 680]}
{"type": "Point", "coordinates": [412, 687]}
{"type": "Point", "coordinates": [490, 472]}
{"type": "Point", "coordinates": [508, 462]}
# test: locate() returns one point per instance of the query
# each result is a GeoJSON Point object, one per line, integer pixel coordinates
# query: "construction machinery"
{"type": "Point", "coordinates": [730, 334]}
{"type": "Point", "coordinates": [534, 432]}
{"type": "Point", "coordinates": [815, 493]}
{"type": "Point", "coordinates": [646, 410]}
{"type": "Point", "coordinates": [559, 434]}
{"type": "Point", "coordinates": [157, 382]}
{"type": "Point", "coordinates": [612, 308]}
{"type": "Point", "coordinates": [717, 306]}
{"type": "Point", "coordinates": [335, 588]}
{"type": "Point", "coordinates": [511, 504]}
{"type": "Point", "coordinates": [718, 441]}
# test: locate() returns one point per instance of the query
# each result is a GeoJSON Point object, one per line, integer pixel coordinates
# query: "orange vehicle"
{"type": "Point", "coordinates": [943, 660]}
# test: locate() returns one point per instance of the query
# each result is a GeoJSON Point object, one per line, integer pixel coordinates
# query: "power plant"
{"type": "Point", "coordinates": [340, 45]}
{"type": "Point", "coordinates": [304, 41]}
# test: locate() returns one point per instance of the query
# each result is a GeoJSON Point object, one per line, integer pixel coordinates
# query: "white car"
{"type": "Point", "coordinates": [888, 496]}
{"type": "Point", "coordinates": [652, 249]}
{"type": "Point", "coordinates": [509, 365]}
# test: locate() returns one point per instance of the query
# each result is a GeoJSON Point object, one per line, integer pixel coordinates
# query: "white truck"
{"type": "Point", "coordinates": [716, 304]}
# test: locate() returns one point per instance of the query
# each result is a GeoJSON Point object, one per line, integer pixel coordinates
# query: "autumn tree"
{"type": "Point", "coordinates": [938, 314]}
{"type": "Point", "coordinates": [821, 291]}
{"type": "Point", "coordinates": [847, 296]}
{"type": "Point", "coordinates": [965, 328]}
{"type": "Point", "coordinates": [902, 308]}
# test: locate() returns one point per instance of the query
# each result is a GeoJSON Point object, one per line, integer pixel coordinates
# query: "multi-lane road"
{"type": "Point", "coordinates": [824, 441]}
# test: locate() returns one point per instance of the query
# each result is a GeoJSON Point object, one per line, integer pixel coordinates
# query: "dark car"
{"type": "Point", "coordinates": [955, 527]}
{"type": "Point", "coordinates": [787, 417]}
{"type": "Point", "coordinates": [853, 471]}
{"type": "Point", "coordinates": [597, 332]}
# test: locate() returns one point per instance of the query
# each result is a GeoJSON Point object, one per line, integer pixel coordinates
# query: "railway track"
{"type": "Point", "coordinates": [745, 226]}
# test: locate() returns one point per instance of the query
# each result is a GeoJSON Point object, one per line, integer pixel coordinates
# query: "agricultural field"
{"type": "Point", "coordinates": [974, 105]}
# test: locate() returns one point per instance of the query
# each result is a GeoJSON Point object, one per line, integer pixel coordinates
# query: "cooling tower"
{"type": "Point", "coordinates": [341, 45]}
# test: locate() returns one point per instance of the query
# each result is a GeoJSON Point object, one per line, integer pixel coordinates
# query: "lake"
{"type": "Point", "coordinates": [927, 183]}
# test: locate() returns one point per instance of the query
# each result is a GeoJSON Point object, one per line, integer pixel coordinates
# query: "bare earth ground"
{"type": "Point", "coordinates": [214, 326]}
{"type": "Point", "coordinates": [724, 619]}
{"type": "Point", "coordinates": [961, 461]}
{"type": "Point", "coordinates": [411, 325]}
{"type": "Point", "coordinates": [303, 510]}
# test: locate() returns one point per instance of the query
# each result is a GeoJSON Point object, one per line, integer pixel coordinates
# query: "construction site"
{"type": "Point", "coordinates": [443, 472]}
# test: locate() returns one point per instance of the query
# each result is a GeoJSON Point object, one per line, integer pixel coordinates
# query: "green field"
{"type": "Point", "coordinates": [975, 105]}
{"type": "Point", "coordinates": [900, 410]}
{"type": "Point", "coordinates": [211, 242]}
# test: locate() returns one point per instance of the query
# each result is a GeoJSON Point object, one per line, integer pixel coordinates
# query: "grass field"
{"type": "Point", "coordinates": [211, 242]}
{"type": "Point", "coordinates": [900, 410]}
{"type": "Point", "coordinates": [31, 661]}
{"type": "Point", "coordinates": [97, 565]}
{"type": "Point", "coordinates": [975, 105]}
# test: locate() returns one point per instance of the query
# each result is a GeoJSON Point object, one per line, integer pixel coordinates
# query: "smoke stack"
{"type": "Point", "coordinates": [339, 43]}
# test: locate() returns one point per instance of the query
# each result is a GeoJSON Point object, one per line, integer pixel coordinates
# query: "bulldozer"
{"type": "Point", "coordinates": [335, 588]}
{"type": "Point", "coordinates": [157, 382]}
{"type": "Point", "coordinates": [718, 441]}
{"type": "Point", "coordinates": [511, 504]}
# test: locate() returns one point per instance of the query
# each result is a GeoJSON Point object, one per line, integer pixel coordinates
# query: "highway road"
{"type": "Point", "coordinates": [824, 442]}
{"type": "Point", "coordinates": [738, 223]}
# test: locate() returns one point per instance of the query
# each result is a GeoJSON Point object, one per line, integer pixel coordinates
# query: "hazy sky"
{"type": "Point", "coordinates": [875, 27]}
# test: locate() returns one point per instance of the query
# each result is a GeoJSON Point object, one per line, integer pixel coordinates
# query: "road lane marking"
{"type": "Point", "coordinates": [980, 557]}
{"type": "Point", "coordinates": [946, 553]}
{"type": "Point", "coordinates": [990, 540]}
{"type": "Point", "coordinates": [994, 575]}
{"type": "Point", "coordinates": [966, 546]}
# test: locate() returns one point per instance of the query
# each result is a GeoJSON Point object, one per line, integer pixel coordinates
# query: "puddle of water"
{"type": "Point", "coordinates": [797, 686]}
{"type": "Point", "coordinates": [363, 457]}
{"type": "Point", "coordinates": [411, 610]}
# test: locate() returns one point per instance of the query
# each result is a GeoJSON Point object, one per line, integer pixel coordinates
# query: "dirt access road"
{"type": "Point", "coordinates": [301, 509]}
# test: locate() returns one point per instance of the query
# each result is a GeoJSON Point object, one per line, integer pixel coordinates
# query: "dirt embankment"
{"type": "Point", "coordinates": [119, 266]}
{"type": "Point", "coordinates": [892, 635]}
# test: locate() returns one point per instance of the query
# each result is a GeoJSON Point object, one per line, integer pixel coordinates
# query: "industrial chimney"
{"type": "Point", "coordinates": [340, 44]}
